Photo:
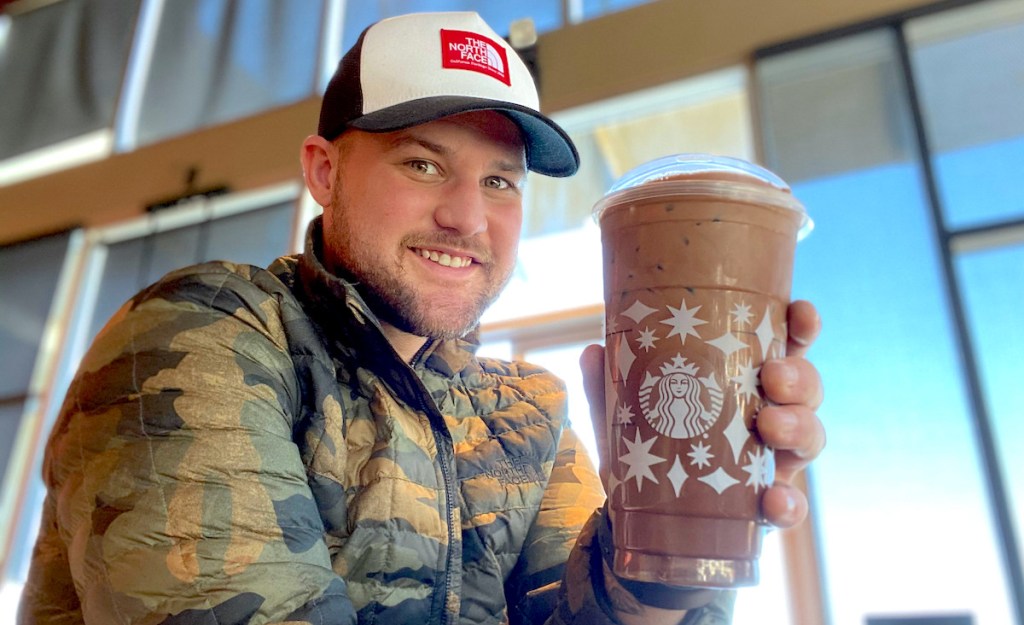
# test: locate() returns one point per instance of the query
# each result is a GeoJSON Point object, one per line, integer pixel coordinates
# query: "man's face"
{"type": "Point", "coordinates": [427, 219]}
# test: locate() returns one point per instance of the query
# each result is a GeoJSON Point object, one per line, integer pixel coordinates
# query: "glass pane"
{"type": "Point", "coordinates": [61, 68]}
{"type": "Point", "coordinates": [559, 264]}
{"type": "Point", "coordinates": [253, 237]}
{"type": "Point", "coordinates": [256, 237]}
{"type": "Point", "coordinates": [28, 277]}
{"type": "Point", "coordinates": [546, 14]}
{"type": "Point", "coordinates": [123, 276]}
{"type": "Point", "coordinates": [968, 66]}
{"type": "Point", "coordinates": [900, 474]}
{"type": "Point", "coordinates": [993, 287]}
{"type": "Point", "coordinates": [215, 61]}
{"type": "Point", "coordinates": [10, 421]}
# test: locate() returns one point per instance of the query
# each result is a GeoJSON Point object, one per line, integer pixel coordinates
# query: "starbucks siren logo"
{"type": "Point", "coordinates": [679, 404]}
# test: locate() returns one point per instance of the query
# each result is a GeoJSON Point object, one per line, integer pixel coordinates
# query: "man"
{"type": "Point", "coordinates": [316, 442]}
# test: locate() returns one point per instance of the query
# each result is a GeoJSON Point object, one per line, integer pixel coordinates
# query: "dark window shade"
{"type": "Point", "coordinates": [219, 60]}
{"type": "Point", "coordinates": [61, 69]}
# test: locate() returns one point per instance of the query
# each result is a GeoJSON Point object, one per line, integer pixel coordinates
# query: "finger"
{"type": "Point", "coordinates": [791, 380]}
{"type": "Point", "coordinates": [784, 505]}
{"type": "Point", "coordinates": [788, 466]}
{"type": "Point", "coordinates": [792, 428]}
{"type": "Point", "coordinates": [592, 368]}
{"type": "Point", "coordinates": [804, 325]}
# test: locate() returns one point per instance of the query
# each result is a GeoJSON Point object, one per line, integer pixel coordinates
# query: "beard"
{"type": "Point", "coordinates": [433, 310]}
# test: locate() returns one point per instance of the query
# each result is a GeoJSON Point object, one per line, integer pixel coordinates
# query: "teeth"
{"type": "Point", "coordinates": [445, 260]}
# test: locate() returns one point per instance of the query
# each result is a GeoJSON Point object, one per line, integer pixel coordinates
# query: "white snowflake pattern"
{"type": "Point", "coordinates": [761, 469]}
{"type": "Point", "coordinates": [747, 379]}
{"type": "Point", "coordinates": [624, 415]}
{"type": "Point", "coordinates": [647, 339]}
{"type": "Point", "coordinates": [701, 455]}
{"type": "Point", "coordinates": [741, 313]}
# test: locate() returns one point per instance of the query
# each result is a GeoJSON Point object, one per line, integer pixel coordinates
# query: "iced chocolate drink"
{"type": "Point", "coordinates": [698, 260]}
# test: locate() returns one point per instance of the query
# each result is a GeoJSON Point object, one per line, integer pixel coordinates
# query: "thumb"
{"type": "Point", "coordinates": [592, 368]}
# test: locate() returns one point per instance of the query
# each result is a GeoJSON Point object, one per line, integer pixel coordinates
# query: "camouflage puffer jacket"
{"type": "Point", "coordinates": [242, 446]}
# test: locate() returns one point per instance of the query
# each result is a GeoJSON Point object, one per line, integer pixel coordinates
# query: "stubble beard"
{"type": "Point", "coordinates": [399, 301]}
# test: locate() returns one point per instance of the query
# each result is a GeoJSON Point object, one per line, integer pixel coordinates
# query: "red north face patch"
{"type": "Point", "coordinates": [465, 50]}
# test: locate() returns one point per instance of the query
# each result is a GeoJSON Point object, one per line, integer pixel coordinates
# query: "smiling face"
{"type": "Point", "coordinates": [427, 219]}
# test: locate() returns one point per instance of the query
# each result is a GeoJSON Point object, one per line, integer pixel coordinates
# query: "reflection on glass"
{"type": "Point", "coordinates": [967, 66]}
{"type": "Point", "coordinates": [898, 493]}
{"type": "Point", "coordinates": [993, 287]}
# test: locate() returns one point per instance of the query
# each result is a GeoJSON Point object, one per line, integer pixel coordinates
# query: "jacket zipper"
{"type": "Point", "coordinates": [443, 441]}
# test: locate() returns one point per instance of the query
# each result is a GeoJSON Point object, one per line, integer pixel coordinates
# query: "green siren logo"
{"type": "Point", "coordinates": [678, 403]}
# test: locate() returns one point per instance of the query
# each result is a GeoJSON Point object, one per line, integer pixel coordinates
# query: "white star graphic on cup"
{"type": "Point", "coordinates": [701, 455]}
{"type": "Point", "coordinates": [677, 475]}
{"type": "Point", "coordinates": [719, 480]}
{"type": "Point", "coordinates": [638, 311]}
{"type": "Point", "coordinates": [761, 469]}
{"type": "Point", "coordinates": [728, 343]}
{"type": "Point", "coordinates": [737, 434]}
{"type": "Point", "coordinates": [623, 415]}
{"type": "Point", "coordinates": [640, 460]}
{"type": "Point", "coordinates": [747, 379]}
{"type": "Point", "coordinates": [765, 334]}
{"type": "Point", "coordinates": [741, 313]}
{"type": "Point", "coordinates": [683, 321]}
{"type": "Point", "coordinates": [647, 339]}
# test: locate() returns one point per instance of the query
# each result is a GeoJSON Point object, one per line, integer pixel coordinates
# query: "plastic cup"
{"type": "Point", "coordinates": [698, 262]}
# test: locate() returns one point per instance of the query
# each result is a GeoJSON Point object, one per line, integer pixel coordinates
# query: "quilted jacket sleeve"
{"type": "Point", "coordinates": [176, 494]}
{"type": "Point", "coordinates": [565, 540]}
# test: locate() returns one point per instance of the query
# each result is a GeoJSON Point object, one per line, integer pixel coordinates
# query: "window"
{"type": "Point", "coordinates": [251, 228]}
{"type": "Point", "coordinates": [254, 227]}
{"type": "Point", "coordinates": [32, 273]}
{"type": "Point", "coordinates": [214, 61]}
{"type": "Point", "coordinates": [61, 67]}
{"type": "Point", "coordinates": [904, 493]}
{"type": "Point", "coordinates": [967, 66]}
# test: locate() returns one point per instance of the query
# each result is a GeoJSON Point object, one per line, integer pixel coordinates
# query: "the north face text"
{"type": "Point", "coordinates": [474, 52]}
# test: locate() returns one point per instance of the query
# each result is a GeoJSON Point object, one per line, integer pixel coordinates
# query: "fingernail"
{"type": "Point", "coordinates": [799, 340]}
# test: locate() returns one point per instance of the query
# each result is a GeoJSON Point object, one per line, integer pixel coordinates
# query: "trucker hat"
{"type": "Point", "coordinates": [412, 69]}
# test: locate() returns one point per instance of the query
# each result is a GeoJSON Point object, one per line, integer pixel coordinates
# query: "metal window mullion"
{"type": "Point", "coordinates": [981, 419]}
{"type": "Point", "coordinates": [133, 88]}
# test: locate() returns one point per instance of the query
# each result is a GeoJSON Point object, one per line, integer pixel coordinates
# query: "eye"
{"type": "Point", "coordinates": [425, 168]}
{"type": "Point", "coordinates": [497, 182]}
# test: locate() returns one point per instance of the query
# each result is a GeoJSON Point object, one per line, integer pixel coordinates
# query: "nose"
{"type": "Point", "coordinates": [463, 208]}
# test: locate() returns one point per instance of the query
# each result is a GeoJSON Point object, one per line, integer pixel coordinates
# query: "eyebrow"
{"type": "Point", "coordinates": [409, 138]}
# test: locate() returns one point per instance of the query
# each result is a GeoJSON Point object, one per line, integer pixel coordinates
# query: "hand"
{"type": "Point", "coordinates": [791, 426]}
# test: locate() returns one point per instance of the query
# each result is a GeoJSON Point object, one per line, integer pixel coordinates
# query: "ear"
{"type": "Point", "coordinates": [318, 157]}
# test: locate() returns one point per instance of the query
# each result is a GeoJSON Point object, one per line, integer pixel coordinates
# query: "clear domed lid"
{"type": "Point", "coordinates": [678, 165]}
{"type": "Point", "coordinates": [707, 175]}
